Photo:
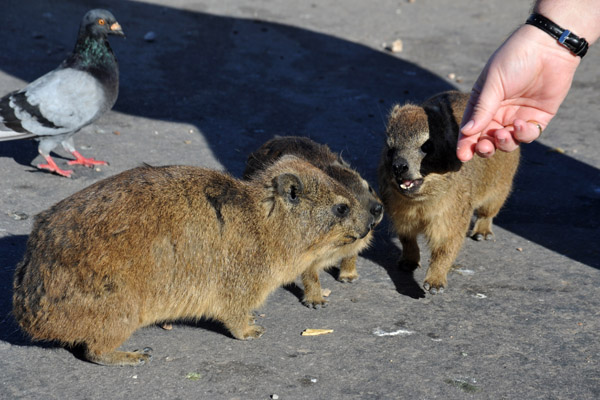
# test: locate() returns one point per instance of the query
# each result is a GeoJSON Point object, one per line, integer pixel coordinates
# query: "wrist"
{"type": "Point", "coordinates": [564, 37]}
{"type": "Point", "coordinates": [581, 17]}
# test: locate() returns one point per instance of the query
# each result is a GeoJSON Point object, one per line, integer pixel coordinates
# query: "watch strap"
{"type": "Point", "coordinates": [575, 44]}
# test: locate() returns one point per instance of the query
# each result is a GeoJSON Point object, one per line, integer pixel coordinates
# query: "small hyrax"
{"type": "Point", "coordinates": [155, 244]}
{"type": "Point", "coordinates": [333, 165]}
{"type": "Point", "coordinates": [427, 190]}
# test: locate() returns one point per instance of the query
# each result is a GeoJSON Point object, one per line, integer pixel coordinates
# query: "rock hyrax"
{"type": "Point", "coordinates": [333, 165]}
{"type": "Point", "coordinates": [427, 190]}
{"type": "Point", "coordinates": [156, 244]}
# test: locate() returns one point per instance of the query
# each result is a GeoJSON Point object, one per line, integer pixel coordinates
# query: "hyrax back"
{"type": "Point", "coordinates": [332, 164]}
{"type": "Point", "coordinates": [165, 243]}
{"type": "Point", "coordinates": [427, 190]}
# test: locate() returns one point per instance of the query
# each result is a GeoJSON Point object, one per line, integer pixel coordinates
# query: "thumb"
{"type": "Point", "coordinates": [480, 110]}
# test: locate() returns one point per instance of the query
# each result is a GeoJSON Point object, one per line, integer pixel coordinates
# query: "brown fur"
{"type": "Point", "coordinates": [156, 244]}
{"type": "Point", "coordinates": [323, 158]}
{"type": "Point", "coordinates": [441, 193]}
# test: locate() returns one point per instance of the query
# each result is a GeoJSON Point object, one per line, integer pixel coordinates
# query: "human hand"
{"type": "Point", "coordinates": [526, 79]}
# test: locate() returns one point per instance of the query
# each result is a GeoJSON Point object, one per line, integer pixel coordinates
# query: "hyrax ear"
{"type": "Point", "coordinates": [396, 111]}
{"type": "Point", "coordinates": [289, 187]}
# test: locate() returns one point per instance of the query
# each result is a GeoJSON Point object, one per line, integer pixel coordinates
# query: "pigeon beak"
{"type": "Point", "coordinates": [116, 29]}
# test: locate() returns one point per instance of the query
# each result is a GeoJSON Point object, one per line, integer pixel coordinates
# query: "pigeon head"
{"type": "Point", "coordinates": [99, 23]}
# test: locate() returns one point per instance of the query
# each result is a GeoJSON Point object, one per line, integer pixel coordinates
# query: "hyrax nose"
{"type": "Point", "coordinates": [399, 166]}
{"type": "Point", "coordinates": [376, 214]}
{"type": "Point", "coordinates": [376, 210]}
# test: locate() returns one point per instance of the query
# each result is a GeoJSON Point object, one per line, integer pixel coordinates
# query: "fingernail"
{"type": "Point", "coordinates": [468, 125]}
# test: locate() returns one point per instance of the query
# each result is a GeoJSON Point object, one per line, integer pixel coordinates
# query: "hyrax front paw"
{"type": "Point", "coordinates": [408, 265]}
{"type": "Point", "coordinates": [434, 283]}
{"type": "Point", "coordinates": [254, 332]}
{"type": "Point", "coordinates": [347, 276]}
{"type": "Point", "coordinates": [479, 236]}
{"type": "Point", "coordinates": [132, 358]}
{"type": "Point", "coordinates": [315, 303]}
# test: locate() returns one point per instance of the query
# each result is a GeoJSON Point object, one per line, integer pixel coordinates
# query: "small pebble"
{"type": "Point", "coordinates": [325, 292]}
{"type": "Point", "coordinates": [19, 216]}
{"type": "Point", "coordinates": [274, 396]}
{"type": "Point", "coordinates": [150, 36]}
{"type": "Point", "coordinates": [519, 249]}
{"type": "Point", "coordinates": [452, 76]}
{"type": "Point", "coordinates": [187, 141]}
{"type": "Point", "coordinates": [116, 133]}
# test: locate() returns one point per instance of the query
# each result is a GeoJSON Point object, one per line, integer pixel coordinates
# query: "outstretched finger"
{"type": "Point", "coordinates": [527, 132]}
{"type": "Point", "coordinates": [505, 141]}
{"type": "Point", "coordinates": [465, 148]}
{"type": "Point", "coordinates": [485, 147]}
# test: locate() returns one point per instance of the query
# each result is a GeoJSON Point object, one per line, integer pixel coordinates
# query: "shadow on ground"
{"type": "Point", "coordinates": [242, 81]}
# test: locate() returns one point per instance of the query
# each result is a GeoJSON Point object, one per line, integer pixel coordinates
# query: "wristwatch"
{"type": "Point", "coordinates": [575, 44]}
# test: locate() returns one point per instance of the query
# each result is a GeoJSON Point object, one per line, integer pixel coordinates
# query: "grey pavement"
{"type": "Point", "coordinates": [520, 318]}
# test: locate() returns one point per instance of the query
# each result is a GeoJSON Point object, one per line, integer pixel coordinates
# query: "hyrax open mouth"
{"type": "Point", "coordinates": [409, 185]}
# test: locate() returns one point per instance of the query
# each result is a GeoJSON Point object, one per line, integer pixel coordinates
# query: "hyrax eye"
{"type": "Point", "coordinates": [341, 210]}
{"type": "Point", "coordinates": [427, 147]}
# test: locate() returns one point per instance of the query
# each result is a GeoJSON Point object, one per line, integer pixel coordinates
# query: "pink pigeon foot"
{"type": "Point", "coordinates": [88, 162]}
{"type": "Point", "coordinates": [52, 167]}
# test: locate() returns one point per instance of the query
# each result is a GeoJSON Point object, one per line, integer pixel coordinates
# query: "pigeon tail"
{"type": "Point", "coordinates": [12, 135]}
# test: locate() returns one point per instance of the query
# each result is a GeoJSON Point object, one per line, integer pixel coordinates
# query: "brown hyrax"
{"type": "Point", "coordinates": [333, 165]}
{"type": "Point", "coordinates": [157, 244]}
{"type": "Point", "coordinates": [427, 190]}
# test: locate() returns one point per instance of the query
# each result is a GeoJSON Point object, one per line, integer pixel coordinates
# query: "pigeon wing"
{"type": "Point", "coordinates": [62, 101]}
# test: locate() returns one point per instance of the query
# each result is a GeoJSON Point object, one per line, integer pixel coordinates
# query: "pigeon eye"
{"type": "Point", "coordinates": [101, 21]}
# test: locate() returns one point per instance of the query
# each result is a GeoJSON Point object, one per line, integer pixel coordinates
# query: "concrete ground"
{"type": "Point", "coordinates": [520, 318]}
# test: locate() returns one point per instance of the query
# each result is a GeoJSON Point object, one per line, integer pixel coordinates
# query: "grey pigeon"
{"type": "Point", "coordinates": [55, 106]}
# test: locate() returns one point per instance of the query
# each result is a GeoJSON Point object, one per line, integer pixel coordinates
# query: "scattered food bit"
{"type": "Point", "coordinates": [465, 384]}
{"type": "Point", "coordinates": [262, 315]}
{"type": "Point", "coordinates": [168, 358]}
{"type": "Point", "coordinates": [313, 380]}
{"type": "Point", "coordinates": [559, 150]}
{"type": "Point", "coordinates": [274, 396]}
{"type": "Point", "coordinates": [191, 131]}
{"type": "Point", "coordinates": [193, 376]}
{"type": "Point", "coordinates": [100, 131]}
{"type": "Point", "coordinates": [396, 47]}
{"type": "Point", "coordinates": [403, 332]}
{"type": "Point", "coordinates": [464, 272]}
{"type": "Point", "coordinates": [480, 296]}
{"type": "Point", "coordinates": [452, 76]}
{"type": "Point", "coordinates": [167, 326]}
{"type": "Point", "coordinates": [187, 141]}
{"type": "Point", "coordinates": [316, 332]}
{"type": "Point", "coordinates": [18, 216]}
{"type": "Point", "coordinates": [134, 377]}
{"type": "Point", "coordinates": [519, 249]}
{"type": "Point", "coordinates": [116, 133]}
{"type": "Point", "coordinates": [150, 36]}
{"type": "Point", "coordinates": [325, 292]}
{"type": "Point", "coordinates": [97, 169]}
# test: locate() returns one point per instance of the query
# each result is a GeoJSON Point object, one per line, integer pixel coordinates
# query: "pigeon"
{"type": "Point", "coordinates": [55, 106]}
